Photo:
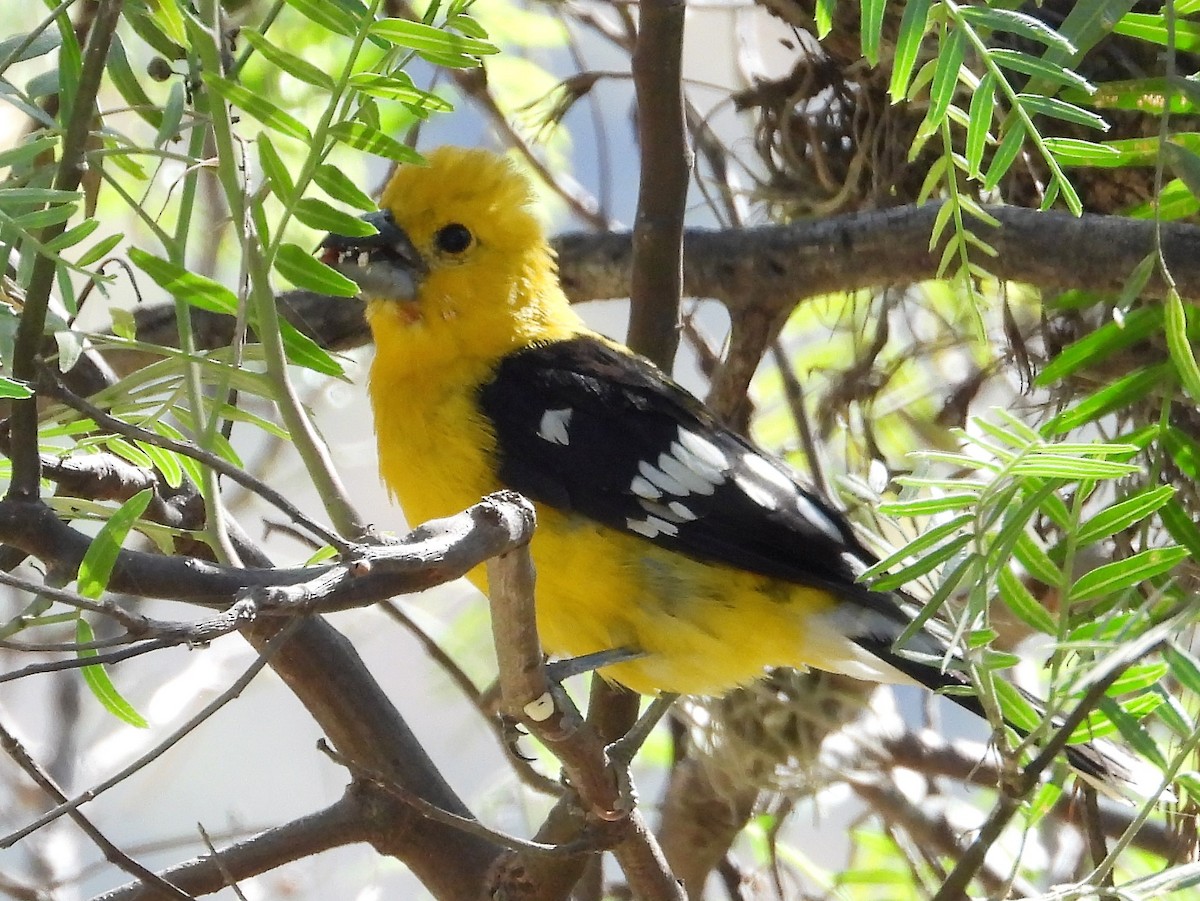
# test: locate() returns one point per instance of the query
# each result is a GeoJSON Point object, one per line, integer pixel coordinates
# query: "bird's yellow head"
{"type": "Point", "coordinates": [460, 268]}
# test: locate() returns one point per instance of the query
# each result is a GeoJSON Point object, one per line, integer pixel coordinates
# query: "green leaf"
{"type": "Point", "coordinates": [99, 249]}
{"type": "Point", "coordinates": [165, 461]}
{"type": "Point", "coordinates": [1123, 514]}
{"type": "Point", "coordinates": [14, 388]}
{"type": "Point", "coordinates": [872, 28]}
{"type": "Point", "coordinates": [328, 15]}
{"type": "Point", "coordinates": [1184, 163]}
{"type": "Point", "coordinates": [101, 555]}
{"type": "Point", "coordinates": [926, 506]}
{"type": "Point", "coordinates": [364, 137]}
{"type": "Point", "coordinates": [398, 87]}
{"type": "Point", "coordinates": [1039, 105]}
{"type": "Point", "coordinates": [304, 270]}
{"type": "Point", "coordinates": [1184, 451]}
{"type": "Point", "coordinates": [1036, 561]}
{"type": "Point", "coordinates": [918, 545]}
{"type": "Point", "coordinates": [824, 17]}
{"type": "Point", "coordinates": [288, 62]}
{"type": "Point", "coordinates": [913, 23]}
{"type": "Point", "coordinates": [27, 151]}
{"type": "Point", "coordinates": [979, 120]}
{"type": "Point", "coordinates": [304, 351]}
{"type": "Point", "coordinates": [168, 129]}
{"type": "Point", "coordinates": [1023, 604]}
{"type": "Point", "coordinates": [1184, 667]}
{"type": "Point", "coordinates": [321, 216]}
{"type": "Point", "coordinates": [72, 236]}
{"type": "Point", "coordinates": [1018, 61]}
{"type": "Point", "coordinates": [1028, 27]}
{"type": "Point", "coordinates": [1121, 575]}
{"type": "Point", "coordinates": [1181, 527]}
{"type": "Point", "coordinates": [449, 49]}
{"type": "Point", "coordinates": [338, 185]}
{"type": "Point", "coordinates": [1077, 152]}
{"type": "Point", "coordinates": [1137, 677]}
{"type": "Point", "coordinates": [1126, 390]}
{"type": "Point", "coordinates": [189, 287]}
{"type": "Point", "coordinates": [274, 168]}
{"type": "Point", "coordinates": [945, 81]}
{"type": "Point", "coordinates": [97, 680]}
{"type": "Point", "coordinates": [1006, 153]}
{"type": "Point", "coordinates": [44, 43]}
{"type": "Point", "coordinates": [1085, 25]}
{"type": "Point", "coordinates": [1152, 27]}
{"type": "Point", "coordinates": [1180, 347]}
{"type": "Point", "coordinates": [259, 107]}
{"type": "Point", "coordinates": [1016, 707]}
{"type": "Point", "coordinates": [1093, 349]}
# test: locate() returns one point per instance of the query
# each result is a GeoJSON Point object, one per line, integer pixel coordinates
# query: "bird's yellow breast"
{"type": "Point", "coordinates": [703, 627]}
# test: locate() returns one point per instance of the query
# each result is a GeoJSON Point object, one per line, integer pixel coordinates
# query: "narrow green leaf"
{"type": "Point", "coordinates": [1019, 61]}
{"type": "Point", "coordinates": [168, 128]}
{"type": "Point", "coordinates": [1184, 163]}
{"type": "Point", "coordinates": [1067, 466]}
{"type": "Point", "coordinates": [1127, 723]}
{"type": "Point", "coordinates": [288, 62]}
{"type": "Point", "coordinates": [1036, 561]}
{"type": "Point", "coordinates": [321, 216]}
{"type": "Point", "coordinates": [1121, 575]}
{"type": "Point", "coordinates": [429, 40]}
{"type": "Point", "coordinates": [1180, 347]}
{"type": "Point", "coordinates": [72, 236]}
{"type": "Point", "coordinates": [328, 15]}
{"type": "Point", "coordinates": [99, 250]}
{"type": "Point", "coordinates": [338, 185]}
{"type": "Point", "coordinates": [1096, 347]}
{"type": "Point", "coordinates": [1126, 390]}
{"type": "Point", "coordinates": [1184, 667]}
{"type": "Point", "coordinates": [1085, 25]}
{"type": "Point", "coordinates": [1006, 153]}
{"type": "Point", "coordinates": [1181, 527]}
{"type": "Point", "coordinates": [1137, 677]}
{"type": "Point", "coordinates": [164, 461]}
{"type": "Point", "coordinates": [1184, 451]}
{"type": "Point", "coordinates": [97, 680]}
{"type": "Point", "coordinates": [304, 270]}
{"type": "Point", "coordinates": [1123, 514]}
{"type": "Point", "coordinates": [979, 120]}
{"type": "Point", "coordinates": [101, 555]}
{"type": "Point", "coordinates": [1016, 707]}
{"type": "Point", "coordinates": [1038, 105]}
{"type": "Point", "coordinates": [304, 351]}
{"type": "Point", "coordinates": [927, 562]}
{"type": "Point", "coordinates": [824, 17]}
{"type": "Point", "coordinates": [913, 23]}
{"type": "Point", "coordinates": [27, 151]}
{"type": "Point", "coordinates": [259, 107]}
{"type": "Point", "coordinates": [1077, 152]}
{"type": "Point", "coordinates": [13, 388]}
{"type": "Point", "coordinates": [1028, 27]}
{"type": "Point", "coordinates": [926, 506]}
{"type": "Point", "coordinates": [1023, 604]}
{"type": "Point", "coordinates": [274, 168]}
{"type": "Point", "coordinates": [364, 137]}
{"type": "Point", "coordinates": [398, 87]}
{"type": "Point", "coordinates": [871, 28]}
{"type": "Point", "coordinates": [945, 80]}
{"type": "Point", "coordinates": [189, 287]}
{"type": "Point", "coordinates": [13, 197]}
{"type": "Point", "coordinates": [41, 45]}
{"type": "Point", "coordinates": [919, 545]}
{"type": "Point", "coordinates": [1152, 27]}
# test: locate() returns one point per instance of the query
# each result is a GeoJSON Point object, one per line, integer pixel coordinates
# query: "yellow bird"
{"type": "Point", "coordinates": [659, 530]}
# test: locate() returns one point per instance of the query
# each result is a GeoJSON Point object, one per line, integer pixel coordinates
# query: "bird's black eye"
{"type": "Point", "coordinates": [453, 238]}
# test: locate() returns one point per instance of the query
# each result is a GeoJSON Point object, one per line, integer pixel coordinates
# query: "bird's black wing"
{"type": "Point", "coordinates": [584, 427]}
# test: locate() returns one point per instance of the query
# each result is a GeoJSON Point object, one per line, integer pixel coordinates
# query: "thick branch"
{"type": "Point", "coordinates": [767, 271]}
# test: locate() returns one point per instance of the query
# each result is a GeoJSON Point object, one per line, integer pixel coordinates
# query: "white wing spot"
{"type": "Point", "coordinates": [553, 427]}
{"type": "Point", "coordinates": [662, 480]}
{"type": "Point", "coordinates": [652, 527]}
{"type": "Point", "coordinates": [818, 518]}
{"type": "Point", "coordinates": [762, 468]}
{"type": "Point", "coordinates": [706, 471]}
{"type": "Point", "coordinates": [757, 493]}
{"type": "Point", "coordinates": [704, 449]}
{"type": "Point", "coordinates": [691, 480]}
{"type": "Point", "coordinates": [681, 511]}
{"type": "Point", "coordinates": [642, 488]}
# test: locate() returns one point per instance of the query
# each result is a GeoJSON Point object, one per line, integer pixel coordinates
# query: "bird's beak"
{"type": "Point", "coordinates": [386, 265]}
